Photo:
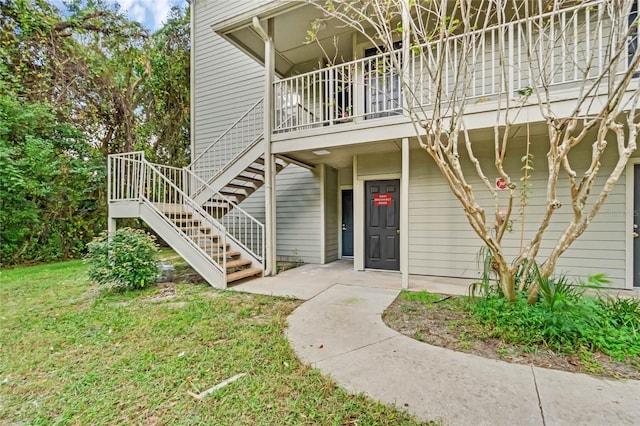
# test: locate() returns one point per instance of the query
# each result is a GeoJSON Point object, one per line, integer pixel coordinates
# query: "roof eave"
{"type": "Point", "coordinates": [265, 11]}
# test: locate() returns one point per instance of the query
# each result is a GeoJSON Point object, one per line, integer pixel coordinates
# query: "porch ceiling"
{"type": "Point", "coordinates": [291, 22]}
{"type": "Point", "coordinates": [341, 156]}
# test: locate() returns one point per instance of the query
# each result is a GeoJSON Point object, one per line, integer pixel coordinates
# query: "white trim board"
{"type": "Point", "coordinates": [340, 189]}
{"type": "Point", "coordinates": [629, 188]}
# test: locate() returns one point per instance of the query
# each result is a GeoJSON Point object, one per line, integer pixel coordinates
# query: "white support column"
{"type": "Point", "coordinates": [272, 253]}
{"type": "Point", "coordinates": [269, 173]}
{"type": "Point", "coordinates": [358, 218]}
{"type": "Point", "coordinates": [323, 219]}
{"type": "Point", "coordinates": [404, 215]}
{"type": "Point", "coordinates": [111, 225]}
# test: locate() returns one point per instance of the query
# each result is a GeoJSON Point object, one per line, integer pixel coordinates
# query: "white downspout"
{"type": "Point", "coordinates": [269, 205]}
{"type": "Point", "coordinates": [192, 79]}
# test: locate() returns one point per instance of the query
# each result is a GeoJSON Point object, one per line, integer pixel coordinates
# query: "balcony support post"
{"type": "Point", "coordinates": [404, 215]}
{"type": "Point", "coordinates": [269, 159]}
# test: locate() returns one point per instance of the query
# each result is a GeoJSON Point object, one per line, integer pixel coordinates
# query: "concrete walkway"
{"type": "Point", "coordinates": [339, 330]}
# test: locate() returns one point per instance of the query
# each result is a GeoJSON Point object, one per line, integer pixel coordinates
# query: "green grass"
{"type": "Point", "coordinates": [574, 323]}
{"type": "Point", "coordinates": [72, 355]}
{"type": "Point", "coordinates": [420, 296]}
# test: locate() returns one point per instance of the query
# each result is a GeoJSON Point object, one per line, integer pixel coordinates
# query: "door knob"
{"type": "Point", "coordinates": [344, 227]}
{"type": "Point", "coordinates": [635, 234]}
{"type": "Point", "coordinates": [398, 231]}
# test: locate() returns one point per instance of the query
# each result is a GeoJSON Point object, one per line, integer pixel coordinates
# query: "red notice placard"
{"type": "Point", "coordinates": [382, 199]}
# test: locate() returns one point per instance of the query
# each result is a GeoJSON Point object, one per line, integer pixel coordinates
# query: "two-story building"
{"type": "Point", "coordinates": [304, 150]}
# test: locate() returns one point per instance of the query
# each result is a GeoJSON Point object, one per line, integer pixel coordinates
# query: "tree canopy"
{"type": "Point", "coordinates": [76, 85]}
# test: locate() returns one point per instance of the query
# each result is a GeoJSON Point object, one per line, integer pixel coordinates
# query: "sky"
{"type": "Point", "coordinates": [150, 13]}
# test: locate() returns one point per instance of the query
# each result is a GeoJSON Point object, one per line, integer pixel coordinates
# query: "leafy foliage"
{"type": "Point", "coordinates": [166, 101]}
{"type": "Point", "coordinates": [75, 87]}
{"type": "Point", "coordinates": [52, 185]}
{"type": "Point", "coordinates": [565, 319]}
{"type": "Point", "coordinates": [124, 259]}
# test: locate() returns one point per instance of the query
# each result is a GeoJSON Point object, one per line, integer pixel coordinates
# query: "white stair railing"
{"type": "Point", "coordinates": [240, 226]}
{"type": "Point", "coordinates": [235, 140]}
{"type": "Point", "coordinates": [132, 178]}
{"type": "Point", "coordinates": [243, 228]}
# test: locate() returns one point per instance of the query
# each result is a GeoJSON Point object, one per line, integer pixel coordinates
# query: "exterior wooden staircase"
{"type": "Point", "coordinates": [195, 209]}
{"type": "Point", "coordinates": [247, 181]}
{"type": "Point", "coordinates": [222, 250]}
{"type": "Point", "coordinates": [231, 261]}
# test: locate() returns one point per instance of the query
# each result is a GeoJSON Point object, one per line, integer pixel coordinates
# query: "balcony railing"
{"type": "Point", "coordinates": [553, 50]}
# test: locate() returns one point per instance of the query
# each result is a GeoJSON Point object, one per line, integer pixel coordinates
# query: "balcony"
{"type": "Point", "coordinates": [552, 56]}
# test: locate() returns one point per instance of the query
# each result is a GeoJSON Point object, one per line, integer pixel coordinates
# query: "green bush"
{"type": "Point", "coordinates": [123, 259]}
{"type": "Point", "coordinates": [52, 185]}
{"type": "Point", "coordinates": [565, 319]}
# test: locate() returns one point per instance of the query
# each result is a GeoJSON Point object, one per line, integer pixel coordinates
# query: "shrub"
{"type": "Point", "coordinates": [565, 318]}
{"type": "Point", "coordinates": [123, 259]}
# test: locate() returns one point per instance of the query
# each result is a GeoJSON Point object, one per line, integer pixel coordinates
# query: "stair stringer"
{"type": "Point", "coordinates": [203, 264]}
{"type": "Point", "coordinates": [230, 171]}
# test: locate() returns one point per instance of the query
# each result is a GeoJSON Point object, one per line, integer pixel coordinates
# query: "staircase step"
{"type": "Point", "coordinates": [212, 245]}
{"type": "Point", "coordinates": [232, 254]}
{"type": "Point", "coordinates": [171, 214]}
{"type": "Point", "coordinates": [230, 193]}
{"type": "Point", "coordinates": [238, 263]}
{"type": "Point", "coordinates": [241, 187]}
{"type": "Point", "coordinates": [254, 170]}
{"type": "Point", "coordinates": [250, 179]}
{"type": "Point", "coordinates": [185, 220]}
{"type": "Point", "coordinates": [245, 273]}
{"type": "Point", "coordinates": [203, 229]}
{"type": "Point", "coordinates": [279, 163]}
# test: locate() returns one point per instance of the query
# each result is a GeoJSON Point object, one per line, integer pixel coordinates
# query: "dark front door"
{"type": "Point", "coordinates": [347, 222]}
{"type": "Point", "coordinates": [636, 225]}
{"type": "Point", "coordinates": [382, 224]}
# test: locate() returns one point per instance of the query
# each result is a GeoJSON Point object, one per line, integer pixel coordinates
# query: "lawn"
{"type": "Point", "coordinates": [71, 354]}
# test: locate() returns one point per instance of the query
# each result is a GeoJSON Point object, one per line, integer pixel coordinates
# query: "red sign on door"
{"type": "Point", "coordinates": [382, 199]}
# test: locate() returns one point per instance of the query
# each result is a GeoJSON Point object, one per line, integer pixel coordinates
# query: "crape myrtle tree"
{"type": "Point", "coordinates": [532, 45]}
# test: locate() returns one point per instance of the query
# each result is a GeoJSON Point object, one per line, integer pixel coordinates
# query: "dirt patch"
{"type": "Point", "coordinates": [167, 291]}
{"type": "Point", "coordinates": [438, 325]}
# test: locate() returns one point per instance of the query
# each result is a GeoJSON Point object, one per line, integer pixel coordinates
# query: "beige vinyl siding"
{"type": "Point", "coordinates": [330, 214]}
{"type": "Point", "coordinates": [345, 176]}
{"type": "Point", "coordinates": [298, 213]}
{"type": "Point", "coordinates": [442, 243]}
{"type": "Point", "coordinates": [379, 164]}
{"type": "Point", "coordinates": [227, 82]}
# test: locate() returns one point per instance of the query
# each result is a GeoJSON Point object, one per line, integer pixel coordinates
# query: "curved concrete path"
{"type": "Point", "coordinates": [339, 330]}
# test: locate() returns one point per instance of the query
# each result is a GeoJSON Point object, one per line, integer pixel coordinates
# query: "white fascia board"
{"type": "Point", "coordinates": [267, 10]}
